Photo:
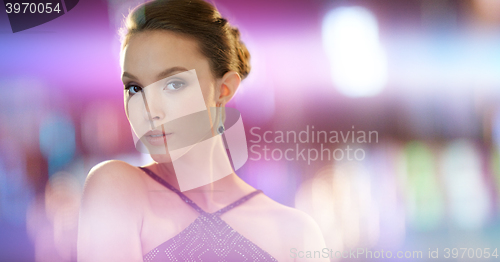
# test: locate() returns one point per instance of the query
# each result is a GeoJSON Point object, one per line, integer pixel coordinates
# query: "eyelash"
{"type": "Point", "coordinates": [130, 86]}
{"type": "Point", "coordinates": [176, 81]}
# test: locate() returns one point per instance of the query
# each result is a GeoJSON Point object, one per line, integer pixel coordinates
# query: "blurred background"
{"type": "Point", "coordinates": [423, 74]}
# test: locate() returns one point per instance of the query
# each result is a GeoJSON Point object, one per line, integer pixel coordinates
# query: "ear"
{"type": "Point", "coordinates": [228, 85]}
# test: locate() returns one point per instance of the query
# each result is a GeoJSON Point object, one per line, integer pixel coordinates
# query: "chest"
{"type": "Point", "coordinates": [166, 215]}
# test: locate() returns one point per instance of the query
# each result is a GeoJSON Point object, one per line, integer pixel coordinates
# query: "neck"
{"type": "Point", "coordinates": [208, 179]}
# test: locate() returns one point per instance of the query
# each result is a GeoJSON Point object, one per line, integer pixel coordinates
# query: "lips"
{"type": "Point", "coordinates": [157, 137]}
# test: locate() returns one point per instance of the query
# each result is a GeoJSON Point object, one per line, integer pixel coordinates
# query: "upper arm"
{"type": "Point", "coordinates": [110, 215]}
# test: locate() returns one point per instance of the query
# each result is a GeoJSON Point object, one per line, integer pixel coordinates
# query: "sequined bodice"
{"type": "Point", "coordinates": [208, 238]}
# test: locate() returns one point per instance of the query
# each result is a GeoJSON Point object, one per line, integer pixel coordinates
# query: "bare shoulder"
{"type": "Point", "coordinates": [114, 181]}
{"type": "Point", "coordinates": [299, 225]}
{"type": "Point", "coordinates": [290, 230]}
{"type": "Point", "coordinates": [111, 214]}
{"type": "Point", "coordinates": [113, 169]}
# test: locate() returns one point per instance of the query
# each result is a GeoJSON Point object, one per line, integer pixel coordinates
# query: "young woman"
{"type": "Point", "coordinates": [175, 52]}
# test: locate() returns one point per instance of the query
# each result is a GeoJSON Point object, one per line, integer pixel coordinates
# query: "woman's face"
{"type": "Point", "coordinates": [165, 78]}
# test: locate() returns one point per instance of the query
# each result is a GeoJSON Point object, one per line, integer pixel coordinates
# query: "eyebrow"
{"type": "Point", "coordinates": [165, 73]}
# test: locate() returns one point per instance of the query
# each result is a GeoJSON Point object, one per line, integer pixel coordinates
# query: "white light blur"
{"type": "Point", "coordinates": [358, 61]}
{"type": "Point", "coordinates": [466, 190]}
{"type": "Point", "coordinates": [340, 199]}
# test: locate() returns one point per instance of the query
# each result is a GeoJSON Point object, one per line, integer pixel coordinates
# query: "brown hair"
{"type": "Point", "coordinates": [217, 39]}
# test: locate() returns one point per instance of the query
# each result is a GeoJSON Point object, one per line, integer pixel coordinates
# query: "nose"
{"type": "Point", "coordinates": [153, 104]}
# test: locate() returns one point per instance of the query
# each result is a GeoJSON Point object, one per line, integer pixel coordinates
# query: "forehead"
{"type": "Point", "coordinates": [148, 53]}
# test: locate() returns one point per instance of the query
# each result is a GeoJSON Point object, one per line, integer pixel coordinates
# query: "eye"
{"type": "Point", "coordinates": [133, 89]}
{"type": "Point", "coordinates": [175, 85]}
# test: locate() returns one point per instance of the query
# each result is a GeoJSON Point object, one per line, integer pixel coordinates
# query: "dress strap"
{"type": "Point", "coordinates": [172, 188]}
{"type": "Point", "coordinates": [237, 203]}
{"type": "Point", "coordinates": [193, 204]}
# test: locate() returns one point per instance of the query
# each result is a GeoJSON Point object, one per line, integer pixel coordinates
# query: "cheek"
{"type": "Point", "coordinates": [189, 102]}
{"type": "Point", "coordinates": [208, 91]}
{"type": "Point", "coordinates": [125, 104]}
{"type": "Point", "coordinates": [134, 109]}
{"type": "Point", "coordinates": [194, 98]}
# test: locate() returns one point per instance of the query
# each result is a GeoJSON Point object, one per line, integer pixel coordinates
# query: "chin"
{"type": "Point", "coordinates": [161, 158]}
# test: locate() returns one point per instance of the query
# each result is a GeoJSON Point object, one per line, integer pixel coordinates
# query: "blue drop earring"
{"type": "Point", "coordinates": [221, 128]}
